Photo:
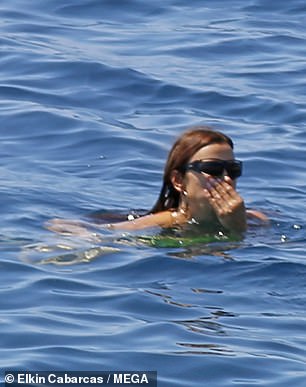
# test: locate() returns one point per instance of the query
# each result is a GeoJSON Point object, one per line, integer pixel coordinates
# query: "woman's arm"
{"type": "Point", "coordinates": [82, 229]}
{"type": "Point", "coordinates": [162, 219]}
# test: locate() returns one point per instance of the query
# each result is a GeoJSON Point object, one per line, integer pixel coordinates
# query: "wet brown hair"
{"type": "Point", "coordinates": [182, 150]}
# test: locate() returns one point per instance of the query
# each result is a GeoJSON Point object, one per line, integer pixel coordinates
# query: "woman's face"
{"type": "Point", "coordinates": [194, 182]}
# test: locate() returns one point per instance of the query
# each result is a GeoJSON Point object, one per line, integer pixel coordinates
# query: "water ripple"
{"type": "Point", "coordinates": [92, 96]}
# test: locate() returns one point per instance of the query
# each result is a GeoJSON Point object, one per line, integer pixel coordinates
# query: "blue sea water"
{"type": "Point", "coordinates": [92, 95]}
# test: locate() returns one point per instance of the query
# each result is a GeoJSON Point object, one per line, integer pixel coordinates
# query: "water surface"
{"type": "Point", "coordinates": [92, 96]}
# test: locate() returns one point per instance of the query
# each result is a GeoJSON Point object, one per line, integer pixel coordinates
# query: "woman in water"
{"type": "Point", "coordinates": [199, 187]}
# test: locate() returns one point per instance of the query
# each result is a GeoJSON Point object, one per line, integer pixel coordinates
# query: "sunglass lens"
{"type": "Point", "coordinates": [234, 170]}
{"type": "Point", "coordinates": [216, 168]}
{"type": "Point", "coordinates": [212, 168]}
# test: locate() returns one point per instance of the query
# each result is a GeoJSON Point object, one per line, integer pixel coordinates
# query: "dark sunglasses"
{"type": "Point", "coordinates": [216, 167]}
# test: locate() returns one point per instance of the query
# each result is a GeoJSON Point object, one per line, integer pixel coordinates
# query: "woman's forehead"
{"type": "Point", "coordinates": [214, 151]}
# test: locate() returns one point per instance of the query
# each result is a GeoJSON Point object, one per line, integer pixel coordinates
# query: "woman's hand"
{"type": "Point", "coordinates": [227, 203]}
{"type": "Point", "coordinates": [72, 228]}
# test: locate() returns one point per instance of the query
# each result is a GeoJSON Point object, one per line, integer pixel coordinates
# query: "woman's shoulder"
{"type": "Point", "coordinates": [257, 215]}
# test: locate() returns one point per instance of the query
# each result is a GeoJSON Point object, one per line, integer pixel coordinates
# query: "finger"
{"type": "Point", "coordinates": [223, 197]}
{"type": "Point", "coordinates": [230, 181]}
{"type": "Point", "coordinates": [214, 197]}
{"type": "Point", "coordinates": [218, 203]}
{"type": "Point", "coordinates": [219, 189]}
{"type": "Point", "coordinates": [223, 189]}
{"type": "Point", "coordinates": [227, 190]}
